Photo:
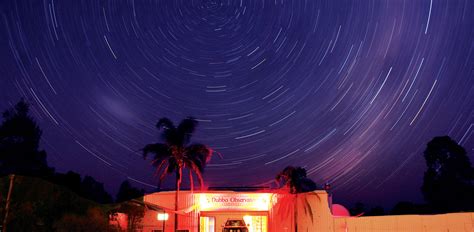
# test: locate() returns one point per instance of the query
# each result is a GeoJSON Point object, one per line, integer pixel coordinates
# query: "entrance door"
{"type": "Point", "coordinates": [233, 222]}
{"type": "Point", "coordinates": [256, 223]}
{"type": "Point", "coordinates": [207, 224]}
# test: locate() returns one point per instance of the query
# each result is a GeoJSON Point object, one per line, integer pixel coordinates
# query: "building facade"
{"type": "Point", "coordinates": [210, 211]}
{"type": "Point", "coordinates": [265, 211]}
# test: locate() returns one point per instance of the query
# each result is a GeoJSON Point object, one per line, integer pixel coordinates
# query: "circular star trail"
{"type": "Point", "coordinates": [350, 90]}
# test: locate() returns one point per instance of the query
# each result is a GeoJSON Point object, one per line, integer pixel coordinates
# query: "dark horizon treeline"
{"type": "Point", "coordinates": [448, 184]}
{"type": "Point", "coordinates": [20, 138]}
{"type": "Point", "coordinates": [45, 200]}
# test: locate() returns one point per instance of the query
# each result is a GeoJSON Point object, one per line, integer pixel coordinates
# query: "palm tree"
{"type": "Point", "coordinates": [176, 154]}
{"type": "Point", "coordinates": [295, 181]}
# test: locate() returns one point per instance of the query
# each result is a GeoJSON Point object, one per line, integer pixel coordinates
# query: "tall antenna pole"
{"type": "Point", "coordinates": [7, 206]}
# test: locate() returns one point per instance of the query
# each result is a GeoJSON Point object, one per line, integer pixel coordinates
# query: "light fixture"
{"type": "Point", "coordinates": [162, 216]}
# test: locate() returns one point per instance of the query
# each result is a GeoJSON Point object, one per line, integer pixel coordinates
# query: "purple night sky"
{"type": "Point", "coordinates": [350, 90]}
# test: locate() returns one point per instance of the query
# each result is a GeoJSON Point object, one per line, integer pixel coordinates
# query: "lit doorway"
{"type": "Point", "coordinates": [256, 223]}
{"type": "Point", "coordinates": [207, 224]}
{"type": "Point", "coordinates": [227, 222]}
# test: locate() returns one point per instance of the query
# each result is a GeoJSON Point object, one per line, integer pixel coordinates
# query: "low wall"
{"type": "Point", "coordinates": [324, 221]}
{"type": "Point", "coordinates": [458, 222]}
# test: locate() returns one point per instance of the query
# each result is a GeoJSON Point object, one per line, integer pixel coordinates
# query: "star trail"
{"type": "Point", "coordinates": [350, 90]}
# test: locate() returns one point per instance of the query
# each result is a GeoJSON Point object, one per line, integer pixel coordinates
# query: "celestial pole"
{"type": "Point", "coordinates": [350, 90]}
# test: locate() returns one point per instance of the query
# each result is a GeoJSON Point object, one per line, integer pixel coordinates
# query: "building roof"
{"type": "Point", "coordinates": [239, 188]}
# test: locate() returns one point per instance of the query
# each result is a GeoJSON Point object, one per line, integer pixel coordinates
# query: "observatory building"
{"type": "Point", "coordinates": [270, 211]}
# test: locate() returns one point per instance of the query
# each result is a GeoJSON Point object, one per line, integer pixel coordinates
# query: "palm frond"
{"type": "Point", "coordinates": [172, 165]}
{"type": "Point", "coordinates": [191, 180]}
{"type": "Point", "coordinates": [194, 165]}
{"type": "Point", "coordinates": [299, 172]}
{"type": "Point", "coordinates": [185, 130]}
{"type": "Point", "coordinates": [200, 152]}
{"type": "Point", "coordinates": [295, 179]}
{"type": "Point", "coordinates": [179, 176]}
{"type": "Point", "coordinates": [196, 158]}
{"type": "Point", "coordinates": [169, 132]}
{"type": "Point", "coordinates": [188, 125]}
{"type": "Point", "coordinates": [158, 169]}
{"type": "Point", "coordinates": [165, 123]}
{"type": "Point", "coordinates": [160, 150]}
{"type": "Point", "coordinates": [288, 178]}
{"type": "Point", "coordinates": [172, 156]}
{"type": "Point", "coordinates": [197, 170]}
{"type": "Point", "coordinates": [163, 175]}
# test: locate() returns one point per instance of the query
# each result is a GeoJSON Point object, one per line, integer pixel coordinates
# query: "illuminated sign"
{"type": "Point", "coordinates": [243, 202]}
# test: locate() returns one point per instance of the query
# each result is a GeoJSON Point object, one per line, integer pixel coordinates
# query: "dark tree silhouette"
{"type": "Point", "coordinates": [406, 207]}
{"type": "Point", "coordinates": [70, 180]}
{"type": "Point", "coordinates": [448, 184]}
{"type": "Point", "coordinates": [358, 209]}
{"type": "Point", "coordinates": [20, 136]}
{"type": "Point", "coordinates": [127, 192]}
{"type": "Point", "coordinates": [376, 211]}
{"type": "Point", "coordinates": [175, 154]}
{"type": "Point", "coordinates": [94, 190]}
{"type": "Point", "coordinates": [134, 211]}
{"type": "Point", "coordinates": [295, 181]}
{"type": "Point", "coordinates": [38, 205]}
{"type": "Point", "coordinates": [19, 143]}
{"type": "Point", "coordinates": [86, 187]}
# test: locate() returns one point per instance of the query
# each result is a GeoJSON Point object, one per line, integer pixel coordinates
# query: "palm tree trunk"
{"type": "Point", "coordinates": [176, 201]}
{"type": "Point", "coordinates": [179, 175]}
{"type": "Point", "coordinates": [295, 213]}
{"type": "Point", "coordinates": [191, 181]}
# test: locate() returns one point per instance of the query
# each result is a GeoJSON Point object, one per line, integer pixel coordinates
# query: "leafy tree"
{"type": "Point", "coordinates": [19, 143]}
{"type": "Point", "coordinates": [38, 205]}
{"type": "Point", "coordinates": [358, 209]}
{"type": "Point", "coordinates": [23, 218]}
{"type": "Point", "coordinates": [70, 180]}
{"type": "Point", "coordinates": [94, 190]}
{"type": "Point", "coordinates": [449, 180]}
{"type": "Point", "coordinates": [134, 212]}
{"type": "Point", "coordinates": [19, 154]}
{"type": "Point", "coordinates": [127, 192]}
{"type": "Point", "coordinates": [88, 187]}
{"type": "Point", "coordinates": [405, 207]}
{"type": "Point", "coordinates": [295, 181]}
{"type": "Point", "coordinates": [176, 154]}
{"type": "Point", "coordinates": [376, 211]}
{"type": "Point", "coordinates": [127, 197]}
{"type": "Point", "coordinates": [93, 220]}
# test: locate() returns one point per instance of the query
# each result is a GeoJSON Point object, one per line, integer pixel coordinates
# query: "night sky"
{"type": "Point", "coordinates": [350, 90]}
